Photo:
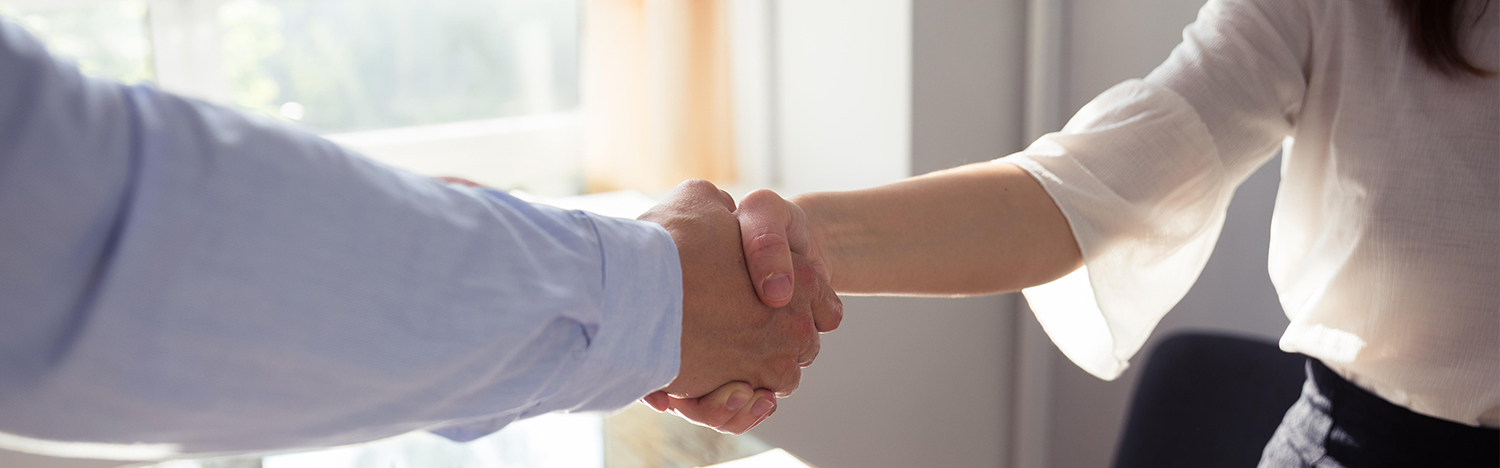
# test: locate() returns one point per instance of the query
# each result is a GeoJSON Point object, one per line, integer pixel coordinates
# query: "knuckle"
{"type": "Point", "coordinates": [768, 243]}
{"type": "Point", "coordinates": [809, 353]}
{"type": "Point", "coordinates": [719, 418]}
{"type": "Point", "coordinates": [806, 333]}
{"type": "Point", "coordinates": [832, 316]}
{"type": "Point", "coordinates": [803, 330]}
{"type": "Point", "coordinates": [784, 368]}
{"type": "Point", "coordinates": [782, 375]}
{"type": "Point", "coordinates": [789, 385]}
{"type": "Point", "coordinates": [763, 195]}
{"type": "Point", "coordinates": [698, 185]}
{"type": "Point", "coordinates": [762, 199]}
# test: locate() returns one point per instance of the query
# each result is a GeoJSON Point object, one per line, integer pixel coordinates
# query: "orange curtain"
{"type": "Point", "coordinates": [656, 94]}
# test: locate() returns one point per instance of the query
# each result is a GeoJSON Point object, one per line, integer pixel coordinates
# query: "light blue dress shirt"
{"type": "Point", "coordinates": [181, 274]}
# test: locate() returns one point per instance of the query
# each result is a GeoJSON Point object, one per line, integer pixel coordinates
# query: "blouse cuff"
{"type": "Point", "coordinates": [1146, 213]}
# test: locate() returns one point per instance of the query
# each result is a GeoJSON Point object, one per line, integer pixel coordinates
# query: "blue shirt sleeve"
{"type": "Point", "coordinates": [181, 275]}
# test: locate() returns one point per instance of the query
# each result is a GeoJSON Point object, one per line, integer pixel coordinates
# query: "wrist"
{"type": "Point", "coordinates": [824, 234]}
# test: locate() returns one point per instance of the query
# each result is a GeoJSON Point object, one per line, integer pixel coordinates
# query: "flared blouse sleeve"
{"type": "Point", "coordinates": [1144, 173]}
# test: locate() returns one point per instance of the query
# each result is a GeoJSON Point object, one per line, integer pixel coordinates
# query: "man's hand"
{"type": "Point", "coordinates": [727, 333]}
{"type": "Point", "coordinates": [734, 408]}
{"type": "Point", "coordinates": [781, 250]}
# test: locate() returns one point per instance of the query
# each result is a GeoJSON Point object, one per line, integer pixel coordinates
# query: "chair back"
{"type": "Point", "coordinates": [1208, 400]}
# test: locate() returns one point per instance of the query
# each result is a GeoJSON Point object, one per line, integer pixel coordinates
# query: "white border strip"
{"type": "Point", "coordinates": [53, 448]}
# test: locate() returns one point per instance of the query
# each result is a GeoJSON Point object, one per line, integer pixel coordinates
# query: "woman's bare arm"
{"type": "Point", "coordinates": [977, 229]}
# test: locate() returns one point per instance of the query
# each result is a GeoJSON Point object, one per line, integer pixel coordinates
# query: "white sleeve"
{"type": "Point", "coordinates": [1145, 172]}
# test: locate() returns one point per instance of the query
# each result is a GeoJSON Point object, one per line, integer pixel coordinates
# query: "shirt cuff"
{"type": "Point", "coordinates": [637, 348]}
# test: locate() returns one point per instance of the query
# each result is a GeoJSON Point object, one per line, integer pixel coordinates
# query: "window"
{"type": "Point", "coordinates": [349, 65]}
{"type": "Point", "coordinates": [484, 89]}
{"type": "Point", "coordinates": [109, 39]}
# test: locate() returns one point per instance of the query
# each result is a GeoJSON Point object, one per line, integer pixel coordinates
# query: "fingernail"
{"type": "Point", "coordinates": [777, 286]}
{"type": "Point", "coordinates": [737, 400]}
{"type": "Point", "coordinates": [761, 408]}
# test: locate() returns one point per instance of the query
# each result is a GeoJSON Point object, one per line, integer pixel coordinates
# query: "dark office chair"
{"type": "Point", "coordinates": [1208, 400]}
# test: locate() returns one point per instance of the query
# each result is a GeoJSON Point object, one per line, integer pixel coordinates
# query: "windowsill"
{"type": "Point", "coordinates": [428, 134]}
{"type": "Point", "coordinates": [539, 154]}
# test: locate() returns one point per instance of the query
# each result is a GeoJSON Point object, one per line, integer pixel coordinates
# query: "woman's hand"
{"type": "Point", "coordinates": [772, 229]}
{"type": "Point", "coordinates": [984, 228]}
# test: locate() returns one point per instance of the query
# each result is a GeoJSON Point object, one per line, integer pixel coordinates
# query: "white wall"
{"type": "Point", "coordinates": [1108, 41]}
{"type": "Point", "coordinates": [871, 91]}
{"type": "Point", "coordinates": [903, 383]}
{"type": "Point", "coordinates": [843, 93]}
{"type": "Point", "coordinates": [967, 80]}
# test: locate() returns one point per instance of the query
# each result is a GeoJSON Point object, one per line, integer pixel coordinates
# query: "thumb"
{"type": "Point", "coordinates": [765, 220]}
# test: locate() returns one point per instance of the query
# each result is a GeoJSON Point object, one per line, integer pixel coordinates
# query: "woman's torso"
{"type": "Point", "coordinates": [1385, 243]}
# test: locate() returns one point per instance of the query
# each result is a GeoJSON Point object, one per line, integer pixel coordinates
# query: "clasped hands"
{"type": "Point", "coordinates": [755, 297]}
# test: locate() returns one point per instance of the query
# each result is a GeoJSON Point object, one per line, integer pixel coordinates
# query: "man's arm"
{"type": "Point", "coordinates": [189, 279]}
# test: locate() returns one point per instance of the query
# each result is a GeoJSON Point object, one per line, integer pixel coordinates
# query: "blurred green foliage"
{"type": "Point", "coordinates": [351, 64]}
{"type": "Point", "coordinates": [107, 40]}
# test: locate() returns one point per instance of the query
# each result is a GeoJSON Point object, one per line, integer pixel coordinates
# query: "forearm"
{"type": "Point", "coordinates": [977, 229]}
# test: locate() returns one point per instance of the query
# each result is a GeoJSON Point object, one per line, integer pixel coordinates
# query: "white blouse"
{"type": "Point", "coordinates": [1385, 243]}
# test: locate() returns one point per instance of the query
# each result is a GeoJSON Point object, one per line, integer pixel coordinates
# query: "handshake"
{"type": "Point", "coordinates": [755, 297]}
{"type": "Point", "coordinates": [757, 279]}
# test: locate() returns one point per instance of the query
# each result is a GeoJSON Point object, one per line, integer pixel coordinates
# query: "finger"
{"type": "Point", "coordinates": [699, 190]}
{"type": "Point", "coordinates": [716, 408]}
{"type": "Point", "coordinates": [722, 197]}
{"type": "Point", "coordinates": [809, 351]}
{"type": "Point", "coordinates": [727, 199]}
{"type": "Point", "coordinates": [657, 400]}
{"type": "Point", "coordinates": [760, 407]}
{"type": "Point", "coordinates": [827, 308]}
{"type": "Point", "coordinates": [765, 220]}
{"type": "Point", "coordinates": [788, 382]}
{"type": "Point", "coordinates": [766, 416]}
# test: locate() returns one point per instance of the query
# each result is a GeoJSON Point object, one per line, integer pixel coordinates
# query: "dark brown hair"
{"type": "Point", "coordinates": [1434, 28]}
